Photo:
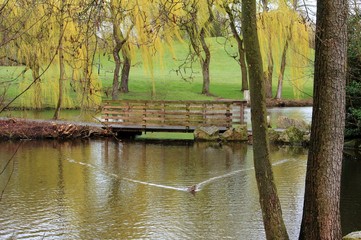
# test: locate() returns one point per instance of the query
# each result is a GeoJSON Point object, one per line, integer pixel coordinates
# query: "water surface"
{"type": "Point", "coordinates": [102, 189]}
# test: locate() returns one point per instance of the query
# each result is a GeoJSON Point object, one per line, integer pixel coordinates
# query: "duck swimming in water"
{"type": "Point", "coordinates": [192, 189]}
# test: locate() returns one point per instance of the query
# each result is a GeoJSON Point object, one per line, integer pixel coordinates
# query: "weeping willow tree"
{"type": "Point", "coordinates": [24, 40]}
{"type": "Point", "coordinates": [77, 40]}
{"type": "Point", "coordinates": [156, 26]}
{"type": "Point", "coordinates": [268, 56]}
{"type": "Point", "coordinates": [84, 45]}
{"type": "Point", "coordinates": [56, 43]}
{"type": "Point", "coordinates": [139, 26]}
{"type": "Point", "coordinates": [122, 23]}
{"type": "Point", "coordinates": [284, 40]}
{"type": "Point", "coordinates": [234, 13]}
{"type": "Point", "coordinates": [195, 20]}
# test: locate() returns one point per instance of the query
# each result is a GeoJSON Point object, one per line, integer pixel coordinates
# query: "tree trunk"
{"type": "Point", "coordinates": [115, 86]}
{"type": "Point", "coordinates": [270, 204]}
{"type": "Point", "coordinates": [61, 82]}
{"type": "Point", "coordinates": [119, 42]}
{"type": "Point", "coordinates": [125, 71]}
{"type": "Point", "coordinates": [61, 63]}
{"type": "Point", "coordinates": [205, 73]}
{"type": "Point", "coordinates": [282, 71]}
{"type": "Point", "coordinates": [243, 64]}
{"type": "Point", "coordinates": [269, 73]}
{"type": "Point", "coordinates": [321, 214]}
{"type": "Point", "coordinates": [205, 62]}
{"type": "Point", "coordinates": [197, 35]}
{"type": "Point", "coordinates": [35, 68]}
{"type": "Point", "coordinates": [284, 58]}
{"type": "Point", "coordinates": [242, 57]}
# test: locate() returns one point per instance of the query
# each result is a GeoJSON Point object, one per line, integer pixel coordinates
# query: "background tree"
{"type": "Point", "coordinates": [233, 11]}
{"type": "Point", "coordinates": [122, 24]}
{"type": "Point", "coordinates": [62, 28]}
{"type": "Point", "coordinates": [43, 40]}
{"type": "Point", "coordinates": [353, 105]}
{"type": "Point", "coordinates": [196, 22]}
{"type": "Point", "coordinates": [296, 35]}
{"type": "Point", "coordinates": [270, 204]}
{"type": "Point", "coordinates": [284, 35]}
{"type": "Point", "coordinates": [264, 22]}
{"type": "Point", "coordinates": [26, 41]}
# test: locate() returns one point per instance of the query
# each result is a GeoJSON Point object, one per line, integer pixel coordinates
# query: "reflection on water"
{"type": "Point", "coordinates": [136, 190]}
{"type": "Point", "coordinates": [301, 113]}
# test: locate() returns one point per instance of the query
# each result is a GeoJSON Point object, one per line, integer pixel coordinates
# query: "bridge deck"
{"type": "Point", "coordinates": [171, 116]}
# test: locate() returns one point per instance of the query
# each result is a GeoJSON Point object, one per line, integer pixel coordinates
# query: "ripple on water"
{"type": "Point", "coordinates": [141, 193]}
{"type": "Point", "coordinates": [34, 216]}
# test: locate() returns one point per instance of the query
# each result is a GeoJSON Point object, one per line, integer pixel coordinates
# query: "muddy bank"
{"type": "Point", "coordinates": [15, 128]}
{"type": "Point", "coordinates": [289, 103]}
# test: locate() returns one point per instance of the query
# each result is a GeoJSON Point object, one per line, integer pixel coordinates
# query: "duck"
{"type": "Point", "coordinates": [192, 189]}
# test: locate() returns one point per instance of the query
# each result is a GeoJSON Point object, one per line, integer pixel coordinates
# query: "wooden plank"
{"type": "Point", "coordinates": [119, 102]}
{"type": "Point", "coordinates": [151, 121]}
{"type": "Point", "coordinates": [150, 112]}
{"type": "Point", "coordinates": [169, 113]}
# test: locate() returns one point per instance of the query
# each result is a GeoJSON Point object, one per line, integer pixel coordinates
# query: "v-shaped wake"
{"type": "Point", "coordinates": [194, 188]}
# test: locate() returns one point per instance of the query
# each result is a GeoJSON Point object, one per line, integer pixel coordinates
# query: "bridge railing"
{"type": "Point", "coordinates": [186, 114]}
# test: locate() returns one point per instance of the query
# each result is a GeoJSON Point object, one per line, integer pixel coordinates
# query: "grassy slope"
{"type": "Point", "coordinates": [224, 70]}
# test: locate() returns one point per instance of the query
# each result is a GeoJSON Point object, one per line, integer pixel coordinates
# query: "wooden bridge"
{"type": "Point", "coordinates": [171, 116]}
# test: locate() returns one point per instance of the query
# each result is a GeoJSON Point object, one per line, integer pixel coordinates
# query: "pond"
{"type": "Point", "coordinates": [103, 189]}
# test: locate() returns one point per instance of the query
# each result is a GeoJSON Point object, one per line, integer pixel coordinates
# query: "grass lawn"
{"type": "Point", "coordinates": [224, 70]}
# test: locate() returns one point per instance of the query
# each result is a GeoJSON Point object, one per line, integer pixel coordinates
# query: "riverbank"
{"type": "Point", "coordinates": [289, 103]}
{"type": "Point", "coordinates": [16, 128]}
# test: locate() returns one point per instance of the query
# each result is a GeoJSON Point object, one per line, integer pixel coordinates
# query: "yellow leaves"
{"type": "Point", "coordinates": [279, 26]}
{"type": "Point", "coordinates": [39, 24]}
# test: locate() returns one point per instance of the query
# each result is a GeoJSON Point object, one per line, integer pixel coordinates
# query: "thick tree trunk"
{"type": "Point", "coordinates": [119, 42]}
{"type": "Point", "coordinates": [205, 62]}
{"type": "Point", "coordinates": [205, 73]}
{"type": "Point", "coordinates": [321, 214]}
{"type": "Point", "coordinates": [124, 87]}
{"type": "Point", "coordinates": [115, 86]}
{"type": "Point", "coordinates": [243, 64]}
{"type": "Point", "coordinates": [270, 204]}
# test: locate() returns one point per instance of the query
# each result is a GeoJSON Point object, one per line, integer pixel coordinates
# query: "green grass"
{"type": "Point", "coordinates": [224, 70]}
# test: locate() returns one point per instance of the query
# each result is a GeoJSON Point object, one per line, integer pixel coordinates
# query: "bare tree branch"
{"type": "Point", "coordinates": [12, 171]}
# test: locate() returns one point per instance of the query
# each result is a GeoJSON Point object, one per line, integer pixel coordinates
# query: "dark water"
{"type": "Point", "coordinates": [136, 190]}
